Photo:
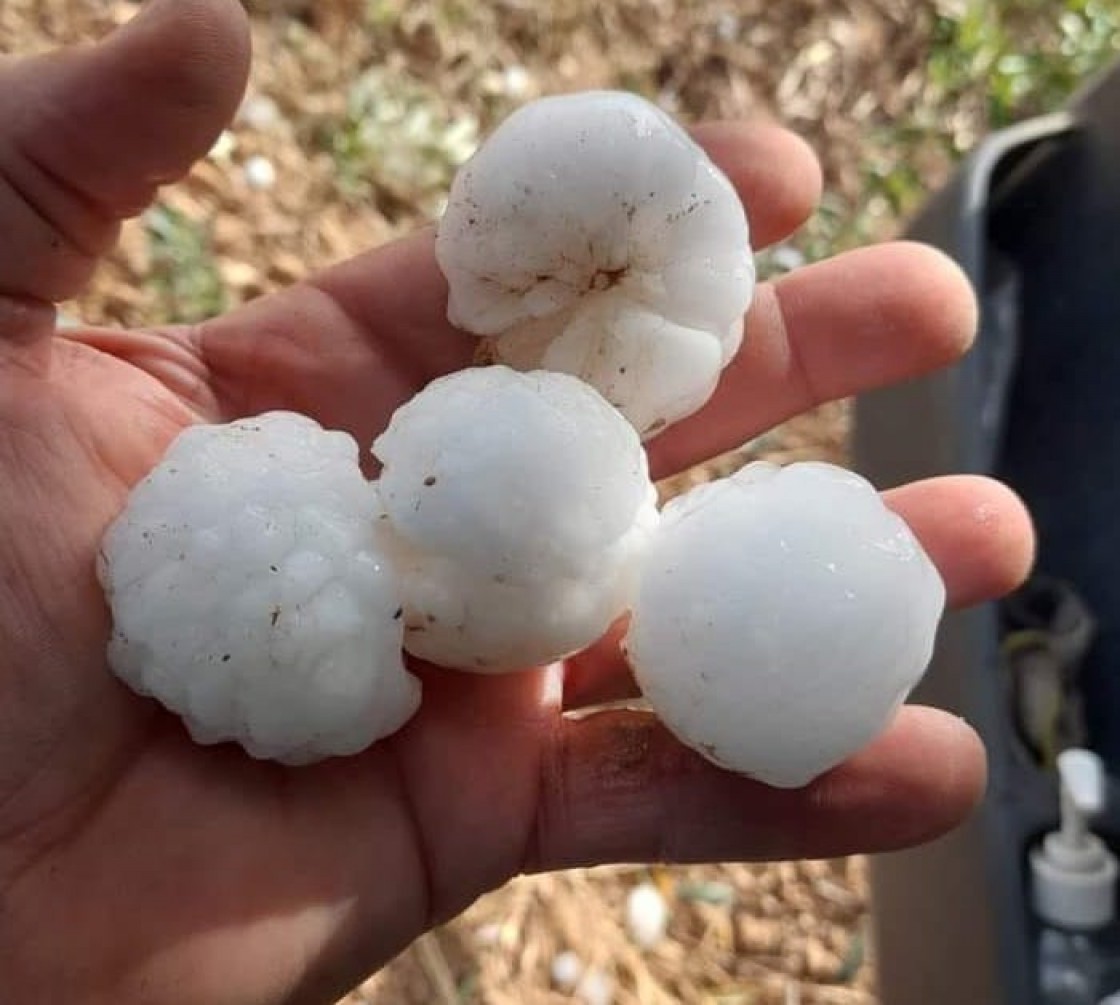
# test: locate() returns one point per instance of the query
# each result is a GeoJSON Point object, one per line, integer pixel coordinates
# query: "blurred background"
{"type": "Point", "coordinates": [359, 112]}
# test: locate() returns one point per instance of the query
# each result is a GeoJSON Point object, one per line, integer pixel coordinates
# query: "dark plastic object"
{"type": "Point", "coordinates": [1034, 219]}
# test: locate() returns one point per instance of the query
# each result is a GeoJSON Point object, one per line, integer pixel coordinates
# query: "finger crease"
{"type": "Point", "coordinates": [798, 366]}
{"type": "Point", "coordinates": [550, 799]}
{"type": "Point", "coordinates": [399, 354]}
{"type": "Point", "coordinates": [94, 205]}
{"type": "Point", "coordinates": [10, 174]}
{"type": "Point", "coordinates": [424, 853]}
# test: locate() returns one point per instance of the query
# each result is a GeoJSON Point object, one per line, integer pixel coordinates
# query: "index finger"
{"type": "Point", "coordinates": [775, 172]}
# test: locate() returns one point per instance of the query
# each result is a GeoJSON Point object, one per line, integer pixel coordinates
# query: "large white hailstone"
{"type": "Point", "coordinates": [517, 507]}
{"type": "Point", "coordinates": [591, 235]}
{"type": "Point", "coordinates": [783, 616]}
{"type": "Point", "coordinates": [249, 595]}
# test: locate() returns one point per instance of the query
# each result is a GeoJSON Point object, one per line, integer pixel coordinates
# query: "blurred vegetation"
{"type": "Point", "coordinates": [425, 81]}
{"type": "Point", "coordinates": [990, 62]}
{"type": "Point", "coordinates": [184, 273]}
{"type": "Point", "coordinates": [397, 142]}
{"type": "Point", "coordinates": [1030, 53]}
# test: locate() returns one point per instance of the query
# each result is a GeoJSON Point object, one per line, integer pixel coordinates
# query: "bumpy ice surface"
{"type": "Point", "coordinates": [783, 615]}
{"type": "Point", "coordinates": [594, 237]}
{"type": "Point", "coordinates": [249, 596]}
{"type": "Point", "coordinates": [516, 507]}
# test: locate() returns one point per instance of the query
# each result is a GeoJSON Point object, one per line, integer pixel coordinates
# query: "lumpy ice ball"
{"type": "Point", "coordinates": [783, 616]}
{"type": "Point", "coordinates": [249, 595]}
{"type": "Point", "coordinates": [592, 236]}
{"type": "Point", "coordinates": [516, 507]}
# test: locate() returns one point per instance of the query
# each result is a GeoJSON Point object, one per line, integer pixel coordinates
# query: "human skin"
{"type": "Point", "coordinates": [138, 867]}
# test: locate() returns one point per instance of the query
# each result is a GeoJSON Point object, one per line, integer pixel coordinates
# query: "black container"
{"type": "Point", "coordinates": [1033, 217]}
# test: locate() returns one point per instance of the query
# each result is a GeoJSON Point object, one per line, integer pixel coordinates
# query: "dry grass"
{"type": "Point", "coordinates": [362, 108]}
{"type": "Point", "coordinates": [738, 935]}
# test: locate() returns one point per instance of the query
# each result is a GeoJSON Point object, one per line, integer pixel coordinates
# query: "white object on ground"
{"type": "Point", "coordinates": [516, 508]}
{"type": "Point", "coordinates": [595, 988]}
{"type": "Point", "coordinates": [591, 235]}
{"type": "Point", "coordinates": [260, 172]}
{"type": "Point", "coordinates": [647, 915]}
{"type": "Point", "coordinates": [782, 617]}
{"type": "Point", "coordinates": [249, 596]}
{"type": "Point", "coordinates": [566, 970]}
{"type": "Point", "coordinates": [259, 111]}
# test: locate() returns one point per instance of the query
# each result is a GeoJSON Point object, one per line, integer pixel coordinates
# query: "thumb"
{"type": "Point", "coordinates": [88, 134]}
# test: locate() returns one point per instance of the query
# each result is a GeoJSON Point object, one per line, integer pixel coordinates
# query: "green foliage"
{"type": "Point", "coordinates": [183, 274]}
{"type": "Point", "coordinates": [990, 63]}
{"type": "Point", "coordinates": [1030, 54]}
{"type": "Point", "coordinates": [380, 15]}
{"type": "Point", "coordinates": [397, 141]}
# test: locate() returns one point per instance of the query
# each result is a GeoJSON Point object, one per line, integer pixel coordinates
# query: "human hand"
{"type": "Point", "coordinates": [136, 866]}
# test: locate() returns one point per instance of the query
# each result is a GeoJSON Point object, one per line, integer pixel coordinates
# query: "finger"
{"type": "Point", "coordinates": [86, 135]}
{"type": "Point", "coordinates": [619, 788]}
{"type": "Point", "coordinates": [976, 531]}
{"type": "Point", "coordinates": [330, 345]}
{"type": "Point", "coordinates": [600, 673]}
{"type": "Point", "coordinates": [852, 323]}
{"type": "Point", "coordinates": [775, 172]}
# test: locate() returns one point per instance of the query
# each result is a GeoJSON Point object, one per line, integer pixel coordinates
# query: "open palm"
{"type": "Point", "coordinates": [136, 866]}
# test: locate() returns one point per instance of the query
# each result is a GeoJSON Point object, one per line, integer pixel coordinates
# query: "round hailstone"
{"type": "Point", "coordinates": [249, 595]}
{"type": "Point", "coordinates": [566, 970]}
{"type": "Point", "coordinates": [647, 915]}
{"type": "Point", "coordinates": [782, 617]}
{"type": "Point", "coordinates": [592, 236]}
{"type": "Point", "coordinates": [516, 508]}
